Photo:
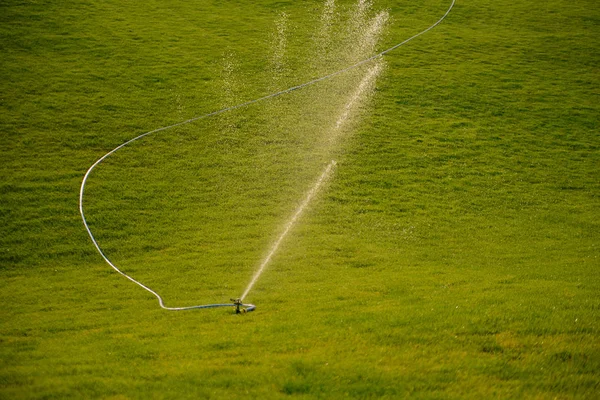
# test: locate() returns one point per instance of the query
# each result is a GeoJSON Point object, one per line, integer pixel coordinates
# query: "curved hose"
{"type": "Point", "coordinates": [249, 307]}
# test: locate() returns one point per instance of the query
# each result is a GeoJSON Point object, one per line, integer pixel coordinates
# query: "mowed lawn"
{"type": "Point", "coordinates": [454, 253]}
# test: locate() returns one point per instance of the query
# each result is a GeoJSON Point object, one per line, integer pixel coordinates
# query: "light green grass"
{"type": "Point", "coordinates": [454, 254]}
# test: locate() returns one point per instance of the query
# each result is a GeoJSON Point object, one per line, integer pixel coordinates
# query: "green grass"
{"type": "Point", "coordinates": [454, 253]}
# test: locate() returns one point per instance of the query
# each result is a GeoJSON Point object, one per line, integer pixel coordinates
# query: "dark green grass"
{"type": "Point", "coordinates": [454, 254]}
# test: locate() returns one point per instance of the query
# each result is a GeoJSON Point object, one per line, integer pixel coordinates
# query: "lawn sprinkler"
{"type": "Point", "coordinates": [241, 308]}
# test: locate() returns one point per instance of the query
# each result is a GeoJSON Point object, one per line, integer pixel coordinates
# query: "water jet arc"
{"type": "Point", "coordinates": [289, 226]}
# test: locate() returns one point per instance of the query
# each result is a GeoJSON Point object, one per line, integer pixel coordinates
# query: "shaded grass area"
{"type": "Point", "coordinates": [453, 255]}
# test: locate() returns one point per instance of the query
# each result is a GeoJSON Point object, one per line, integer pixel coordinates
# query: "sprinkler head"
{"type": "Point", "coordinates": [237, 303]}
{"type": "Point", "coordinates": [241, 308]}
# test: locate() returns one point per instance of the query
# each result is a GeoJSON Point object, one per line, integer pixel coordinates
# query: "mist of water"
{"type": "Point", "coordinates": [364, 86]}
{"type": "Point", "coordinates": [278, 61]}
{"type": "Point", "coordinates": [333, 47]}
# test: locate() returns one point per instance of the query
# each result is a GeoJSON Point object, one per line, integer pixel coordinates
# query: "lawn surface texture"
{"type": "Point", "coordinates": [453, 252]}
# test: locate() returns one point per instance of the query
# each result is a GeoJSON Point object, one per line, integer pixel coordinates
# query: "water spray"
{"type": "Point", "coordinates": [326, 173]}
{"type": "Point", "coordinates": [238, 304]}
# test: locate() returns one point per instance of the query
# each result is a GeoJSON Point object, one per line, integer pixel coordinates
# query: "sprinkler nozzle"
{"type": "Point", "coordinates": [241, 308]}
{"type": "Point", "coordinates": [238, 304]}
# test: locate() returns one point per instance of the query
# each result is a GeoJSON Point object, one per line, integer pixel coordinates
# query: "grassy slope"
{"type": "Point", "coordinates": [455, 253]}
